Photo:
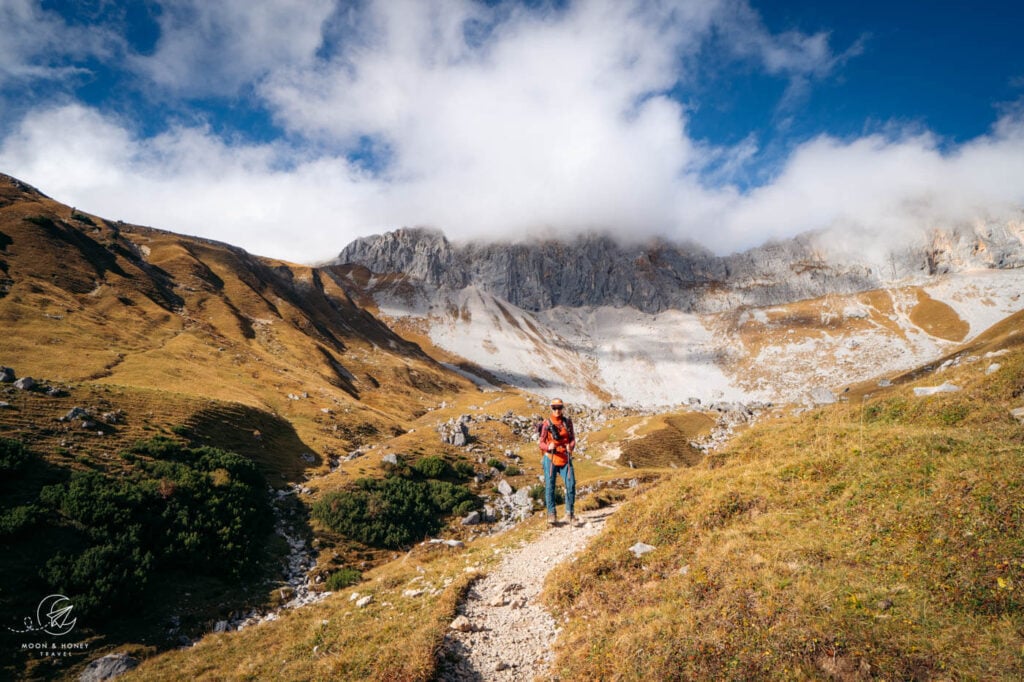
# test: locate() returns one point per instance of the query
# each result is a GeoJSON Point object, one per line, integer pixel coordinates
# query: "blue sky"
{"type": "Point", "coordinates": [290, 128]}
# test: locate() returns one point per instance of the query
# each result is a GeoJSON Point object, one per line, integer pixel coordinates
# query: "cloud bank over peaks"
{"type": "Point", "coordinates": [486, 121]}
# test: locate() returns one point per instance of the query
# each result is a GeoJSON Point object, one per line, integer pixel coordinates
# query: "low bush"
{"type": "Point", "coordinates": [14, 521]}
{"type": "Point", "coordinates": [14, 456]}
{"type": "Point", "coordinates": [82, 218]}
{"type": "Point", "coordinates": [392, 512]}
{"type": "Point", "coordinates": [432, 467]}
{"type": "Point", "coordinates": [201, 510]}
{"type": "Point", "coordinates": [343, 578]}
{"type": "Point", "coordinates": [496, 464]}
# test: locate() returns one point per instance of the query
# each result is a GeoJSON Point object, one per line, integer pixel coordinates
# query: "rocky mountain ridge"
{"type": "Point", "coordinates": [594, 320]}
{"type": "Point", "coordinates": [598, 270]}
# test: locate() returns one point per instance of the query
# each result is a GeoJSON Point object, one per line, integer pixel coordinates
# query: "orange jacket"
{"type": "Point", "coordinates": [557, 439]}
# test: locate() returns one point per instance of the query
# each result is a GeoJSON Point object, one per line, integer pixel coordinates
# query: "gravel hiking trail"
{"type": "Point", "coordinates": [502, 631]}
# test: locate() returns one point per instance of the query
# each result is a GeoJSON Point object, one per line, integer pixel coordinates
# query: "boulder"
{"type": "Point", "coordinates": [25, 383]}
{"type": "Point", "coordinates": [75, 413]}
{"type": "Point", "coordinates": [454, 432]}
{"type": "Point", "coordinates": [504, 488]}
{"type": "Point", "coordinates": [471, 519]}
{"type": "Point", "coordinates": [107, 668]}
{"type": "Point", "coordinates": [461, 624]}
{"type": "Point", "coordinates": [932, 390]}
{"type": "Point", "coordinates": [7, 375]}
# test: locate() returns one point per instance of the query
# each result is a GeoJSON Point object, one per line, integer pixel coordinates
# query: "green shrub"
{"type": "Point", "coordinates": [513, 470]}
{"type": "Point", "coordinates": [496, 464]}
{"type": "Point", "coordinates": [198, 510]}
{"type": "Point", "coordinates": [432, 467]}
{"type": "Point", "coordinates": [14, 521]}
{"type": "Point", "coordinates": [391, 512]}
{"type": "Point", "coordinates": [14, 456]}
{"type": "Point", "coordinates": [343, 578]}
{"type": "Point", "coordinates": [465, 469]}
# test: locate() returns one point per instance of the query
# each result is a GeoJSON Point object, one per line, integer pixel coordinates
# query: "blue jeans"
{"type": "Point", "coordinates": [568, 478]}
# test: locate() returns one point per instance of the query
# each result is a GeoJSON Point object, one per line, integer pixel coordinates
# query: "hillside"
{"type": "Point", "coordinates": [87, 299]}
{"type": "Point", "coordinates": [876, 538]}
{"type": "Point", "coordinates": [871, 538]}
{"type": "Point", "coordinates": [153, 354]}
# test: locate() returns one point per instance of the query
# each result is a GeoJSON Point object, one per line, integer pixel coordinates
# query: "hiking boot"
{"type": "Point", "coordinates": [551, 519]}
{"type": "Point", "coordinates": [572, 521]}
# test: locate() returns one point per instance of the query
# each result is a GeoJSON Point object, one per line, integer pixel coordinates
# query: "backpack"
{"type": "Point", "coordinates": [540, 426]}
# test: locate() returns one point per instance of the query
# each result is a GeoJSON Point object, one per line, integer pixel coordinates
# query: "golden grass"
{"type": "Point", "coordinates": [397, 637]}
{"type": "Point", "coordinates": [877, 539]}
{"type": "Point", "coordinates": [938, 318]}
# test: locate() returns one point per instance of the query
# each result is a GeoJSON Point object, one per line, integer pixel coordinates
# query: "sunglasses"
{"type": "Point", "coordinates": [556, 407]}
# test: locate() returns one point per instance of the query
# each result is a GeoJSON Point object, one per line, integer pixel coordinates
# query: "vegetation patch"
{"type": "Point", "coordinates": [393, 512]}
{"type": "Point", "coordinates": [198, 510]}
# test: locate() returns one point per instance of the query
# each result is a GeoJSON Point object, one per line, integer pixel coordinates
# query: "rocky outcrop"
{"type": "Point", "coordinates": [108, 667]}
{"type": "Point", "coordinates": [597, 270]}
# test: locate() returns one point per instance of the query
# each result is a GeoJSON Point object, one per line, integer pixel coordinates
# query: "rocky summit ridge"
{"type": "Point", "coordinates": [600, 270]}
{"type": "Point", "coordinates": [784, 322]}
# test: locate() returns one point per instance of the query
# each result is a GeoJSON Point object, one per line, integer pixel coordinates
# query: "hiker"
{"type": "Point", "coordinates": [557, 441]}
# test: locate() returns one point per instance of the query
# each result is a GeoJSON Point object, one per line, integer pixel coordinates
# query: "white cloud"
{"type": "Point", "coordinates": [189, 181]}
{"type": "Point", "coordinates": [214, 48]}
{"type": "Point", "coordinates": [891, 189]}
{"type": "Point", "coordinates": [36, 44]}
{"type": "Point", "coordinates": [499, 122]}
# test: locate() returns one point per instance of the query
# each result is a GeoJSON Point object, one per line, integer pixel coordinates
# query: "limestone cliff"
{"type": "Point", "coordinates": [597, 270]}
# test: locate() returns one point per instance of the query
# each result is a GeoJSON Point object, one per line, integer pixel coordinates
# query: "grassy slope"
{"type": "Point", "coordinates": [190, 339]}
{"type": "Point", "coordinates": [83, 299]}
{"type": "Point", "coordinates": [881, 538]}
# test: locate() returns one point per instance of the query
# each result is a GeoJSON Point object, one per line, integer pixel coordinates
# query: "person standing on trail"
{"type": "Point", "coordinates": [557, 442]}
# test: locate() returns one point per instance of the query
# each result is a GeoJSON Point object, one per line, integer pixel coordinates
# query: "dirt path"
{"type": "Point", "coordinates": [504, 632]}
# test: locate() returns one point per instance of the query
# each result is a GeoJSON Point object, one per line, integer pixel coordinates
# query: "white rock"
{"type": "Point", "coordinates": [461, 624]}
{"type": "Point", "coordinates": [994, 367]}
{"type": "Point", "coordinates": [932, 390]}
{"type": "Point", "coordinates": [641, 548]}
{"type": "Point", "coordinates": [365, 601]}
